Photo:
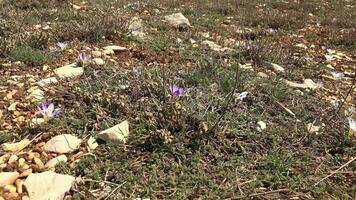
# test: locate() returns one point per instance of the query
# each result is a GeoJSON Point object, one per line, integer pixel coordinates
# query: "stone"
{"type": "Point", "coordinates": [10, 188]}
{"type": "Point", "coordinates": [8, 178]}
{"type": "Point", "coordinates": [26, 173]}
{"type": "Point", "coordinates": [36, 95]}
{"type": "Point", "coordinates": [12, 107]}
{"type": "Point", "coordinates": [120, 132]}
{"type": "Point", "coordinates": [54, 161]}
{"type": "Point", "coordinates": [215, 47]}
{"type": "Point", "coordinates": [177, 20]}
{"type": "Point", "coordinates": [48, 185]}
{"type": "Point", "coordinates": [69, 71]}
{"type": "Point", "coordinates": [12, 147]}
{"type": "Point", "coordinates": [115, 48]}
{"type": "Point", "coordinates": [19, 185]}
{"type": "Point", "coordinates": [274, 66]}
{"type": "Point", "coordinates": [96, 54]}
{"type": "Point", "coordinates": [135, 25]}
{"type": "Point", "coordinates": [65, 143]}
{"type": "Point", "coordinates": [98, 61]}
{"type": "Point", "coordinates": [46, 81]}
{"type": "Point", "coordinates": [108, 52]}
{"type": "Point", "coordinates": [261, 126]}
{"type": "Point", "coordinates": [296, 85]}
{"type": "Point", "coordinates": [311, 84]}
{"type": "Point", "coordinates": [313, 129]}
{"type": "Point", "coordinates": [39, 163]}
{"type": "Point", "coordinates": [12, 159]}
{"type": "Point", "coordinates": [36, 121]}
{"type": "Point", "coordinates": [92, 144]}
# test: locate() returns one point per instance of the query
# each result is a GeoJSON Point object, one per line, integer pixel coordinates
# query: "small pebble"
{"type": "Point", "coordinates": [26, 173]}
{"type": "Point", "coordinates": [13, 159]}
{"type": "Point", "coordinates": [22, 162]}
{"type": "Point", "coordinates": [19, 185]}
{"type": "Point", "coordinates": [38, 163]}
{"type": "Point", "coordinates": [10, 188]}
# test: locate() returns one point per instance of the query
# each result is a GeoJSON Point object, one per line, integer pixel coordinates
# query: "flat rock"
{"type": "Point", "coordinates": [120, 132]}
{"type": "Point", "coordinates": [48, 185]}
{"type": "Point", "coordinates": [47, 81]}
{"type": "Point", "coordinates": [296, 85]}
{"type": "Point", "coordinates": [12, 147]}
{"type": "Point", "coordinates": [69, 71]}
{"type": "Point", "coordinates": [36, 95]}
{"type": "Point", "coordinates": [65, 143]}
{"type": "Point", "coordinates": [98, 61]}
{"type": "Point", "coordinates": [54, 161]}
{"type": "Point", "coordinates": [92, 144]}
{"type": "Point", "coordinates": [274, 66]}
{"type": "Point", "coordinates": [8, 178]}
{"type": "Point", "coordinates": [177, 20]}
{"type": "Point", "coordinates": [115, 48]}
{"type": "Point", "coordinates": [215, 47]}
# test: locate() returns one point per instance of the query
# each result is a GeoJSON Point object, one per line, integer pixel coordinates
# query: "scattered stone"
{"type": "Point", "coordinates": [26, 173]}
{"type": "Point", "coordinates": [108, 52]}
{"type": "Point", "coordinates": [12, 147]}
{"type": "Point", "coordinates": [12, 159]}
{"type": "Point", "coordinates": [98, 61]}
{"type": "Point", "coordinates": [312, 128]}
{"type": "Point", "coordinates": [247, 66]}
{"type": "Point", "coordinates": [274, 66]}
{"type": "Point", "coordinates": [136, 28]}
{"type": "Point", "coordinates": [177, 20]}
{"type": "Point", "coordinates": [25, 198]}
{"type": "Point", "coordinates": [262, 74]}
{"type": "Point", "coordinates": [21, 162]}
{"type": "Point", "coordinates": [261, 126]}
{"type": "Point", "coordinates": [39, 163]}
{"type": "Point", "coordinates": [8, 178]}
{"type": "Point", "coordinates": [36, 95]}
{"type": "Point", "coordinates": [47, 81]}
{"type": "Point", "coordinates": [120, 132]}
{"type": "Point", "coordinates": [48, 185]}
{"type": "Point", "coordinates": [12, 107]}
{"type": "Point", "coordinates": [96, 54]}
{"type": "Point", "coordinates": [301, 45]}
{"type": "Point", "coordinates": [9, 188]}
{"type": "Point", "coordinates": [4, 158]}
{"type": "Point", "coordinates": [311, 84]}
{"type": "Point", "coordinates": [115, 48]}
{"type": "Point", "coordinates": [296, 85]}
{"type": "Point", "coordinates": [69, 71]}
{"type": "Point", "coordinates": [19, 185]}
{"type": "Point", "coordinates": [215, 47]}
{"type": "Point", "coordinates": [36, 121]}
{"type": "Point", "coordinates": [65, 143]}
{"type": "Point", "coordinates": [54, 161]}
{"type": "Point", "coordinates": [92, 144]}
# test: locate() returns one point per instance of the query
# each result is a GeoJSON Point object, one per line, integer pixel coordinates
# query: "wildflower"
{"type": "Point", "coordinates": [62, 45]}
{"type": "Point", "coordinates": [175, 91]}
{"type": "Point", "coordinates": [337, 75]}
{"type": "Point", "coordinates": [48, 111]}
{"type": "Point", "coordinates": [84, 59]}
{"type": "Point", "coordinates": [352, 124]}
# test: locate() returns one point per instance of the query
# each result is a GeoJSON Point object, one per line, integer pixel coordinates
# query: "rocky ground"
{"type": "Point", "coordinates": [177, 99]}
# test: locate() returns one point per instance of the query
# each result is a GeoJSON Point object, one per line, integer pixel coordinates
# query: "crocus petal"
{"type": "Point", "coordinates": [56, 112]}
{"type": "Point", "coordinates": [42, 108]}
{"type": "Point", "coordinates": [50, 109]}
{"type": "Point", "coordinates": [180, 91]}
{"type": "Point", "coordinates": [337, 74]}
{"type": "Point", "coordinates": [81, 56]}
{"type": "Point", "coordinates": [173, 88]}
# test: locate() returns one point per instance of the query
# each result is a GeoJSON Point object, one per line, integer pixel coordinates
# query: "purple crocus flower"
{"type": "Point", "coordinates": [176, 91]}
{"type": "Point", "coordinates": [84, 58]}
{"type": "Point", "coordinates": [48, 111]}
{"type": "Point", "coordinates": [62, 45]}
{"type": "Point", "coordinates": [338, 75]}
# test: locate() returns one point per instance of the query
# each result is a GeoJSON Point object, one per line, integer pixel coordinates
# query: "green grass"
{"type": "Point", "coordinates": [30, 56]}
